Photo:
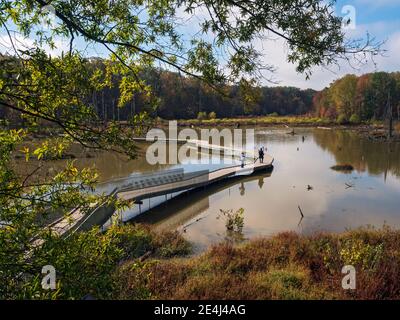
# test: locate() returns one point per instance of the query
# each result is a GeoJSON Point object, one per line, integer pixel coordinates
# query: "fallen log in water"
{"type": "Point", "coordinates": [343, 167]}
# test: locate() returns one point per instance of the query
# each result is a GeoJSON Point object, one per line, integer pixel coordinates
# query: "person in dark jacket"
{"type": "Point", "coordinates": [242, 160]}
{"type": "Point", "coordinates": [261, 155]}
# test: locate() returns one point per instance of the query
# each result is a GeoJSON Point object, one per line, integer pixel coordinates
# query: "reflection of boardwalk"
{"type": "Point", "coordinates": [78, 220]}
{"type": "Point", "coordinates": [182, 209]}
{"type": "Point", "coordinates": [175, 220]}
{"type": "Point", "coordinates": [195, 182]}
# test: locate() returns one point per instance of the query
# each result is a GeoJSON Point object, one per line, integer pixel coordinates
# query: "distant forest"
{"type": "Point", "coordinates": [349, 99]}
{"type": "Point", "coordinates": [182, 97]}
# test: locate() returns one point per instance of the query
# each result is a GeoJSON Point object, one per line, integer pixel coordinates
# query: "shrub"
{"type": "Point", "coordinates": [234, 220]}
{"type": "Point", "coordinates": [202, 116]}
{"type": "Point", "coordinates": [354, 119]}
{"type": "Point", "coordinates": [286, 284]}
{"type": "Point", "coordinates": [85, 262]}
{"type": "Point", "coordinates": [212, 115]}
{"type": "Point", "coordinates": [342, 119]}
{"type": "Point", "coordinates": [356, 252]}
{"type": "Point", "coordinates": [169, 244]}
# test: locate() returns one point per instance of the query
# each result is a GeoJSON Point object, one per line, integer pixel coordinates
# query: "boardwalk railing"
{"type": "Point", "coordinates": [136, 187]}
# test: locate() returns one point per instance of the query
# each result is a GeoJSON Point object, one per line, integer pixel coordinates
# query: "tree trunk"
{"type": "Point", "coordinates": [390, 116]}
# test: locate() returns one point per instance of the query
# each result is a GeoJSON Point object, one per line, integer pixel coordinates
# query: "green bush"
{"type": "Point", "coordinates": [202, 116]}
{"type": "Point", "coordinates": [234, 220]}
{"type": "Point", "coordinates": [212, 115]}
{"type": "Point", "coordinates": [85, 262]}
{"type": "Point", "coordinates": [342, 119]}
{"type": "Point", "coordinates": [354, 118]}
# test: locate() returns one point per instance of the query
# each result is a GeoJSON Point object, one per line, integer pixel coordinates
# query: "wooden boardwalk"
{"type": "Point", "coordinates": [77, 220]}
{"type": "Point", "coordinates": [195, 182]}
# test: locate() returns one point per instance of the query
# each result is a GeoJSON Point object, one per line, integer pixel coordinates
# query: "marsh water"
{"type": "Point", "coordinates": [330, 200]}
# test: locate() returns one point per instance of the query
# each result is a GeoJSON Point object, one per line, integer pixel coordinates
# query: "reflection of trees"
{"type": "Point", "coordinates": [242, 189]}
{"type": "Point", "coordinates": [187, 205]}
{"type": "Point", "coordinates": [261, 182]}
{"type": "Point", "coordinates": [364, 155]}
{"type": "Point", "coordinates": [110, 165]}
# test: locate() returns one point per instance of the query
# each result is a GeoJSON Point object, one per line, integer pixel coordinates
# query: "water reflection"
{"type": "Point", "coordinates": [261, 182]}
{"type": "Point", "coordinates": [242, 189]}
{"type": "Point", "coordinates": [363, 154]}
{"type": "Point", "coordinates": [271, 201]}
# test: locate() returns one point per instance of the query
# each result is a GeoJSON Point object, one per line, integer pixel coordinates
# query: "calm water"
{"type": "Point", "coordinates": [270, 200]}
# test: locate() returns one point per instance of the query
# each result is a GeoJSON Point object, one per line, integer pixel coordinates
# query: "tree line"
{"type": "Point", "coordinates": [349, 99]}
{"type": "Point", "coordinates": [373, 96]}
{"type": "Point", "coordinates": [183, 97]}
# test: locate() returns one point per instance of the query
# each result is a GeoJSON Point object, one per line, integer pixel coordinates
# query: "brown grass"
{"type": "Point", "coordinates": [259, 120]}
{"type": "Point", "coordinates": [286, 266]}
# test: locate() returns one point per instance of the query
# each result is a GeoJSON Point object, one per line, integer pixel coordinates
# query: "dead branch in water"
{"type": "Point", "coordinates": [301, 212]}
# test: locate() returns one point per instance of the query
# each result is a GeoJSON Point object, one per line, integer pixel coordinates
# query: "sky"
{"type": "Point", "coordinates": [380, 18]}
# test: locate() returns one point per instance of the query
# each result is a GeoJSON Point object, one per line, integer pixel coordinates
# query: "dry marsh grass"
{"type": "Point", "coordinates": [261, 120]}
{"type": "Point", "coordinates": [285, 266]}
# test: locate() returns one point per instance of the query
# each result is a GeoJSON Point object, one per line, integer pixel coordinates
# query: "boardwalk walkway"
{"type": "Point", "coordinates": [77, 220]}
{"type": "Point", "coordinates": [194, 182]}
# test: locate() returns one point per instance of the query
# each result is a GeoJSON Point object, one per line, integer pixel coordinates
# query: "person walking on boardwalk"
{"type": "Point", "coordinates": [264, 149]}
{"type": "Point", "coordinates": [261, 154]}
{"type": "Point", "coordinates": [242, 158]}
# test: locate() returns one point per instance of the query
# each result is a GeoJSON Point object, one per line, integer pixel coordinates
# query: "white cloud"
{"type": "Point", "coordinates": [276, 52]}
{"type": "Point", "coordinates": [390, 61]}
{"type": "Point", "coordinates": [19, 42]}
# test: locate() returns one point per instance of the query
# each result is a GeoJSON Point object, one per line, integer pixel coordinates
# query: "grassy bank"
{"type": "Point", "coordinates": [286, 266]}
{"type": "Point", "coordinates": [135, 262]}
{"type": "Point", "coordinates": [275, 120]}
{"type": "Point", "coordinates": [86, 262]}
{"type": "Point", "coordinates": [265, 120]}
